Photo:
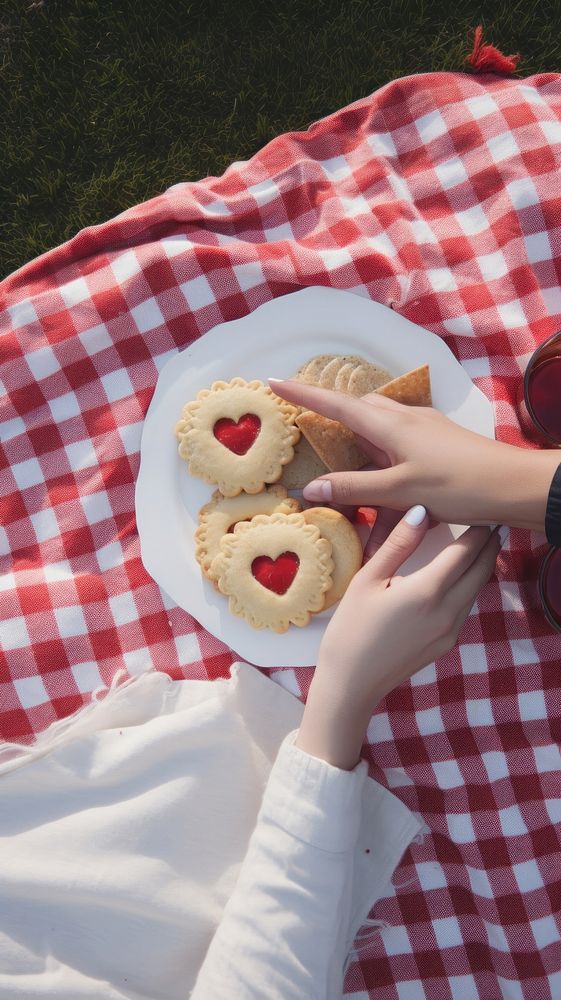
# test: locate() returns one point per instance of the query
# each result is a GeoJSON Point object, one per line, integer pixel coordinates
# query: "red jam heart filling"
{"type": "Point", "coordinates": [237, 437]}
{"type": "Point", "coordinates": [276, 574]}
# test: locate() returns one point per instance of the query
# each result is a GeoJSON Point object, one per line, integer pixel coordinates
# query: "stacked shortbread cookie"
{"type": "Point", "coordinates": [330, 441]}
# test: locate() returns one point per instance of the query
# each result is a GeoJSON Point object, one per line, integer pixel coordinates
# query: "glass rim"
{"type": "Point", "coordinates": [527, 373]}
{"type": "Point", "coordinates": [554, 622]}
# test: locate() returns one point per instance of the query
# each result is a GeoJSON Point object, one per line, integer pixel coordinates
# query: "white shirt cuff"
{"type": "Point", "coordinates": [313, 800]}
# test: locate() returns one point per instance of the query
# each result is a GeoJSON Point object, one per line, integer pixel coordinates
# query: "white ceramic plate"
{"type": "Point", "coordinates": [274, 341]}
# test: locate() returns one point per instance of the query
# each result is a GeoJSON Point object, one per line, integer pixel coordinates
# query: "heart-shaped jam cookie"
{"type": "Point", "coordinates": [237, 437]}
{"type": "Point", "coordinates": [275, 569]}
{"type": "Point", "coordinates": [276, 574]}
{"type": "Point", "coordinates": [220, 516]}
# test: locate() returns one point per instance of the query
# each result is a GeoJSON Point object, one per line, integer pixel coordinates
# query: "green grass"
{"type": "Point", "coordinates": [105, 104]}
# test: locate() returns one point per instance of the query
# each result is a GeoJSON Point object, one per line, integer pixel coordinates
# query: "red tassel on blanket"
{"type": "Point", "coordinates": [488, 59]}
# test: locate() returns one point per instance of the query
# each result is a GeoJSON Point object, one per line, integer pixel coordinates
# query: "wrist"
{"type": "Point", "coordinates": [332, 728]}
{"type": "Point", "coordinates": [522, 487]}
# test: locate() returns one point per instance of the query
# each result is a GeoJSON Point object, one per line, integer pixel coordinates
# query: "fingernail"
{"type": "Point", "coordinates": [277, 381]}
{"type": "Point", "coordinates": [319, 489]}
{"type": "Point", "coordinates": [415, 515]}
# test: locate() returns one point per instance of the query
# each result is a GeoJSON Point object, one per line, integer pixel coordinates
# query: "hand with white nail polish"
{"type": "Point", "coordinates": [423, 457]}
{"type": "Point", "coordinates": [387, 627]}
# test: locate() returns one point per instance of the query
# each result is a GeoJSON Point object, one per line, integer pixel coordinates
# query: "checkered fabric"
{"type": "Point", "coordinates": [440, 196]}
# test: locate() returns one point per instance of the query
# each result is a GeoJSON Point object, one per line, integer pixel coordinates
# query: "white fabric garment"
{"type": "Point", "coordinates": [123, 833]}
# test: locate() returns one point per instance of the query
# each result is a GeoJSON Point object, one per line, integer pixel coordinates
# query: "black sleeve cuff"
{"type": "Point", "coordinates": [553, 511]}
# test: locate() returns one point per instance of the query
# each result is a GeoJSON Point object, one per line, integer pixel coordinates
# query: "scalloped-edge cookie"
{"type": "Point", "coordinates": [238, 435]}
{"type": "Point", "coordinates": [346, 548]}
{"type": "Point", "coordinates": [275, 570]}
{"type": "Point", "coordinates": [220, 515]}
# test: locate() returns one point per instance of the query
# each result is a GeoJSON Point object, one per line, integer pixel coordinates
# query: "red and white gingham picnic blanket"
{"type": "Point", "coordinates": [440, 196]}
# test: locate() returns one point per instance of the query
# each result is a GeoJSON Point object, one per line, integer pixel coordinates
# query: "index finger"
{"type": "Point", "coordinates": [369, 419]}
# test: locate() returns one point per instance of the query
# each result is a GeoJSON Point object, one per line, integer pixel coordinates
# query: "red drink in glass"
{"type": "Point", "coordinates": [550, 587]}
{"type": "Point", "coordinates": [540, 417]}
{"type": "Point", "coordinates": [542, 390]}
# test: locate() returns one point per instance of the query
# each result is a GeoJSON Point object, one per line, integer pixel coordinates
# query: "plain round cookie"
{"type": "Point", "coordinates": [311, 371]}
{"type": "Point", "coordinates": [219, 516]}
{"type": "Point", "coordinates": [343, 376]}
{"type": "Point", "coordinates": [345, 544]}
{"type": "Point", "coordinates": [305, 466]}
{"type": "Point", "coordinates": [329, 374]}
{"type": "Point", "coordinates": [367, 378]}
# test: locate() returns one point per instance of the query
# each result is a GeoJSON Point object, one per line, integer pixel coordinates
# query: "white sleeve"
{"type": "Point", "coordinates": [284, 931]}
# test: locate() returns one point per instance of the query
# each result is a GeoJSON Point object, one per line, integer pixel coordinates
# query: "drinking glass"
{"type": "Point", "coordinates": [542, 392]}
{"type": "Point", "coordinates": [549, 585]}
{"type": "Point", "coordinates": [540, 417]}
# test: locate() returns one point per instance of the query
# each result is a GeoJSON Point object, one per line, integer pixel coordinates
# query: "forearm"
{"type": "Point", "coordinates": [284, 929]}
{"type": "Point", "coordinates": [333, 727]}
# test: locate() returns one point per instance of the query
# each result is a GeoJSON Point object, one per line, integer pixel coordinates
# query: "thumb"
{"type": "Point", "coordinates": [354, 489]}
{"type": "Point", "coordinates": [399, 545]}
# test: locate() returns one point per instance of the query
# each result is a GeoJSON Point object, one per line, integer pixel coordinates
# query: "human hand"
{"type": "Point", "coordinates": [386, 628]}
{"type": "Point", "coordinates": [423, 457]}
